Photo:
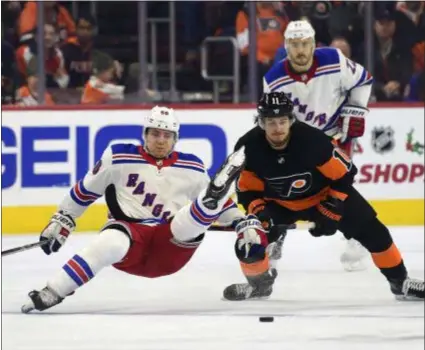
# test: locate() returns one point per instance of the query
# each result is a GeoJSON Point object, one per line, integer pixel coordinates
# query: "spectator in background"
{"type": "Point", "coordinates": [56, 75]}
{"type": "Point", "coordinates": [414, 11]}
{"type": "Point", "coordinates": [10, 14]}
{"type": "Point", "coordinates": [418, 52]}
{"type": "Point", "coordinates": [27, 95]}
{"type": "Point", "coordinates": [78, 50]}
{"type": "Point", "coordinates": [8, 72]}
{"type": "Point", "coordinates": [341, 43]}
{"type": "Point", "coordinates": [53, 13]}
{"type": "Point", "coordinates": [393, 63]}
{"type": "Point", "coordinates": [100, 88]}
{"type": "Point", "coordinates": [415, 91]}
{"type": "Point", "coordinates": [271, 24]}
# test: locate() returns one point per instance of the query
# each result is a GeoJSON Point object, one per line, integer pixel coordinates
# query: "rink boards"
{"type": "Point", "coordinates": [45, 151]}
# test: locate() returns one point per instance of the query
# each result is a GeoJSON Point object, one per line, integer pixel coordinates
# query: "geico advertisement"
{"type": "Point", "coordinates": [45, 152]}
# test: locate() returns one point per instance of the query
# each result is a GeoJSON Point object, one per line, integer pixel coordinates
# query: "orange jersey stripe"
{"type": "Point", "coordinates": [248, 181]}
{"type": "Point", "coordinates": [302, 204]}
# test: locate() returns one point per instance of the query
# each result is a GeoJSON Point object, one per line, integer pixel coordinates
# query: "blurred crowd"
{"type": "Point", "coordinates": [90, 57]}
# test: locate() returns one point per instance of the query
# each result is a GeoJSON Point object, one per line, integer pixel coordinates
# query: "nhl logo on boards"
{"type": "Point", "coordinates": [383, 139]}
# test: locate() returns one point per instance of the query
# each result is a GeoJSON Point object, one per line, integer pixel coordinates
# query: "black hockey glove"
{"type": "Point", "coordinates": [274, 233]}
{"type": "Point", "coordinates": [327, 216]}
{"type": "Point", "coordinates": [265, 218]}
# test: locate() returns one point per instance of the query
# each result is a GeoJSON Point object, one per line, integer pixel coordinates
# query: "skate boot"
{"type": "Point", "coordinates": [410, 289]}
{"type": "Point", "coordinates": [258, 287]}
{"type": "Point", "coordinates": [220, 184]}
{"type": "Point", "coordinates": [41, 300]}
{"type": "Point", "coordinates": [353, 258]}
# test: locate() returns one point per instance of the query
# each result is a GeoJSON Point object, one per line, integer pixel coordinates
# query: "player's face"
{"type": "Point", "coordinates": [159, 142]}
{"type": "Point", "coordinates": [300, 51]}
{"type": "Point", "coordinates": [277, 131]}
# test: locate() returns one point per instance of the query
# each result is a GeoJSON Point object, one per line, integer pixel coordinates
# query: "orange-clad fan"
{"type": "Point", "coordinates": [27, 95]}
{"type": "Point", "coordinates": [100, 88]}
{"type": "Point", "coordinates": [53, 13]}
{"type": "Point", "coordinates": [270, 27]}
{"type": "Point", "coordinates": [56, 75]}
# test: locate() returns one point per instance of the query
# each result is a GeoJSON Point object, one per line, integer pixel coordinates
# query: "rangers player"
{"type": "Point", "coordinates": [329, 91]}
{"type": "Point", "coordinates": [161, 203]}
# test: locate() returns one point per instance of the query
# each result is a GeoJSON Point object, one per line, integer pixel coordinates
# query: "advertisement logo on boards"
{"type": "Point", "coordinates": [414, 146]}
{"type": "Point", "coordinates": [383, 139]}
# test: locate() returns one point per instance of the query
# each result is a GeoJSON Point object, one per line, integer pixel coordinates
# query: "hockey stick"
{"type": "Point", "coordinates": [296, 226]}
{"type": "Point", "coordinates": [24, 247]}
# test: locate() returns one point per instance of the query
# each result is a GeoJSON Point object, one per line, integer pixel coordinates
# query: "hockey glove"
{"type": "Point", "coordinates": [252, 240]}
{"type": "Point", "coordinates": [57, 231]}
{"type": "Point", "coordinates": [327, 217]}
{"type": "Point", "coordinates": [265, 218]}
{"type": "Point", "coordinates": [352, 122]}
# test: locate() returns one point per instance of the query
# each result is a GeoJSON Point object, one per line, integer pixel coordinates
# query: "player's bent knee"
{"type": "Point", "coordinates": [116, 243]}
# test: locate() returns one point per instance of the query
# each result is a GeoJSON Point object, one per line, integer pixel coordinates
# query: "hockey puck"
{"type": "Point", "coordinates": [266, 319]}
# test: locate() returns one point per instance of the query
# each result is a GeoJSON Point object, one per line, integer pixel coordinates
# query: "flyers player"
{"type": "Point", "coordinates": [329, 91]}
{"type": "Point", "coordinates": [161, 203]}
{"type": "Point", "coordinates": [295, 172]}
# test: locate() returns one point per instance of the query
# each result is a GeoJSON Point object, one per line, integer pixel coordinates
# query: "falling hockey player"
{"type": "Point", "coordinates": [330, 92]}
{"type": "Point", "coordinates": [161, 201]}
{"type": "Point", "coordinates": [295, 172]}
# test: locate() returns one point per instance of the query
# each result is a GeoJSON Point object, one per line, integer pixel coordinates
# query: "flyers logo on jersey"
{"type": "Point", "coordinates": [286, 186]}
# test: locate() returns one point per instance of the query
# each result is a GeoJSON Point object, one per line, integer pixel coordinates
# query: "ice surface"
{"type": "Point", "coordinates": [315, 303]}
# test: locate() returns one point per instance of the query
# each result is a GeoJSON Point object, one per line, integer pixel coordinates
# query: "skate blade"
{"type": "Point", "coordinates": [354, 266]}
{"type": "Point", "coordinates": [248, 299]}
{"type": "Point", "coordinates": [235, 161]}
{"type": "Point", "coordinates": [407, 298]}
{"type": "Point", "coordinates": [27, 308]}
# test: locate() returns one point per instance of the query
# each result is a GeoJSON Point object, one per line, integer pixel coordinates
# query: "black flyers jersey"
{"type": "Point", "coordinates": [297, 177]}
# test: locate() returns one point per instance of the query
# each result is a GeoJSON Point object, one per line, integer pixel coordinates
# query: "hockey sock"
{"type": "Point", "coordinates": [376, 238]}
{"type": "Point", "coordinates": [109, 247]}
{"type": "Point", "coordinates": [194, 219]}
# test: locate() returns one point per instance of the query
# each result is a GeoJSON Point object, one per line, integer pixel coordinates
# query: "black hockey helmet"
{"type": "Point", "coordinates": [275, 104]}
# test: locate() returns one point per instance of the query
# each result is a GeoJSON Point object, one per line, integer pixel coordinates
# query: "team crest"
{"type": "Point", "coordinates": [383, 139]}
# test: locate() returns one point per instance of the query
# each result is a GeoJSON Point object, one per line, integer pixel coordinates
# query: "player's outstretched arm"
{"type": "Point", "coordinates": [82, 194]}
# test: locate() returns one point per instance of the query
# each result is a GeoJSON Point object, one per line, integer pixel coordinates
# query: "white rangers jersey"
{"type": "Point", "coordinates": [137, 186]}
{"type": "Point", "coordinates": [319, 94]}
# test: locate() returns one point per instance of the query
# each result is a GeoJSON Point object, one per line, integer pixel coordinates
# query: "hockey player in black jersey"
{"type": "Point", "coordinates": [295, 172]}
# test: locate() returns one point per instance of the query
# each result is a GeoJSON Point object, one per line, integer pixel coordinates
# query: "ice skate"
{"type": "Point", "coordinates": [41, 300]}
{"type": "Point", "coordinates": [353, 258]}
{"type": "Point", "coordinates": [220, 184]}
{"type": "Point", "coordinates": [408, 290]}
{"type": "Point", "coordinates": [259, 287]}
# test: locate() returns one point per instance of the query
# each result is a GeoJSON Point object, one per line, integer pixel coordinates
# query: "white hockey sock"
{"type": "Point", "coordinates": [109, 247]}
{"type": "Point", "coordinates": [194, 219]}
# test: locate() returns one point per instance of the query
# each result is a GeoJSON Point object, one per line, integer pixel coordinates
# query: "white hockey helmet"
{"type": "Point", "coordinates": [162, 118]}
{"type": "Point", "coordinates": [299, 30]}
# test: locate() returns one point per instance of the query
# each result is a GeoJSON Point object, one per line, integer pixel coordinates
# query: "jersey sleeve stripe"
{"type": "Point", "coordinates": [175, 165]}
{"type": "Point", "coordinates": [200, 216]}
{"type": "Point", "coordinates": [129, 161]}
{"type": "Point", "coordinates": [365, 78]}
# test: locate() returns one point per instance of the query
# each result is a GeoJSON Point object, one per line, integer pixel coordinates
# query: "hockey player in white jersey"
{"type": "Point", "coordinates": [330, 92]}
{"type": "Point", "coordinates": [161, 203]}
